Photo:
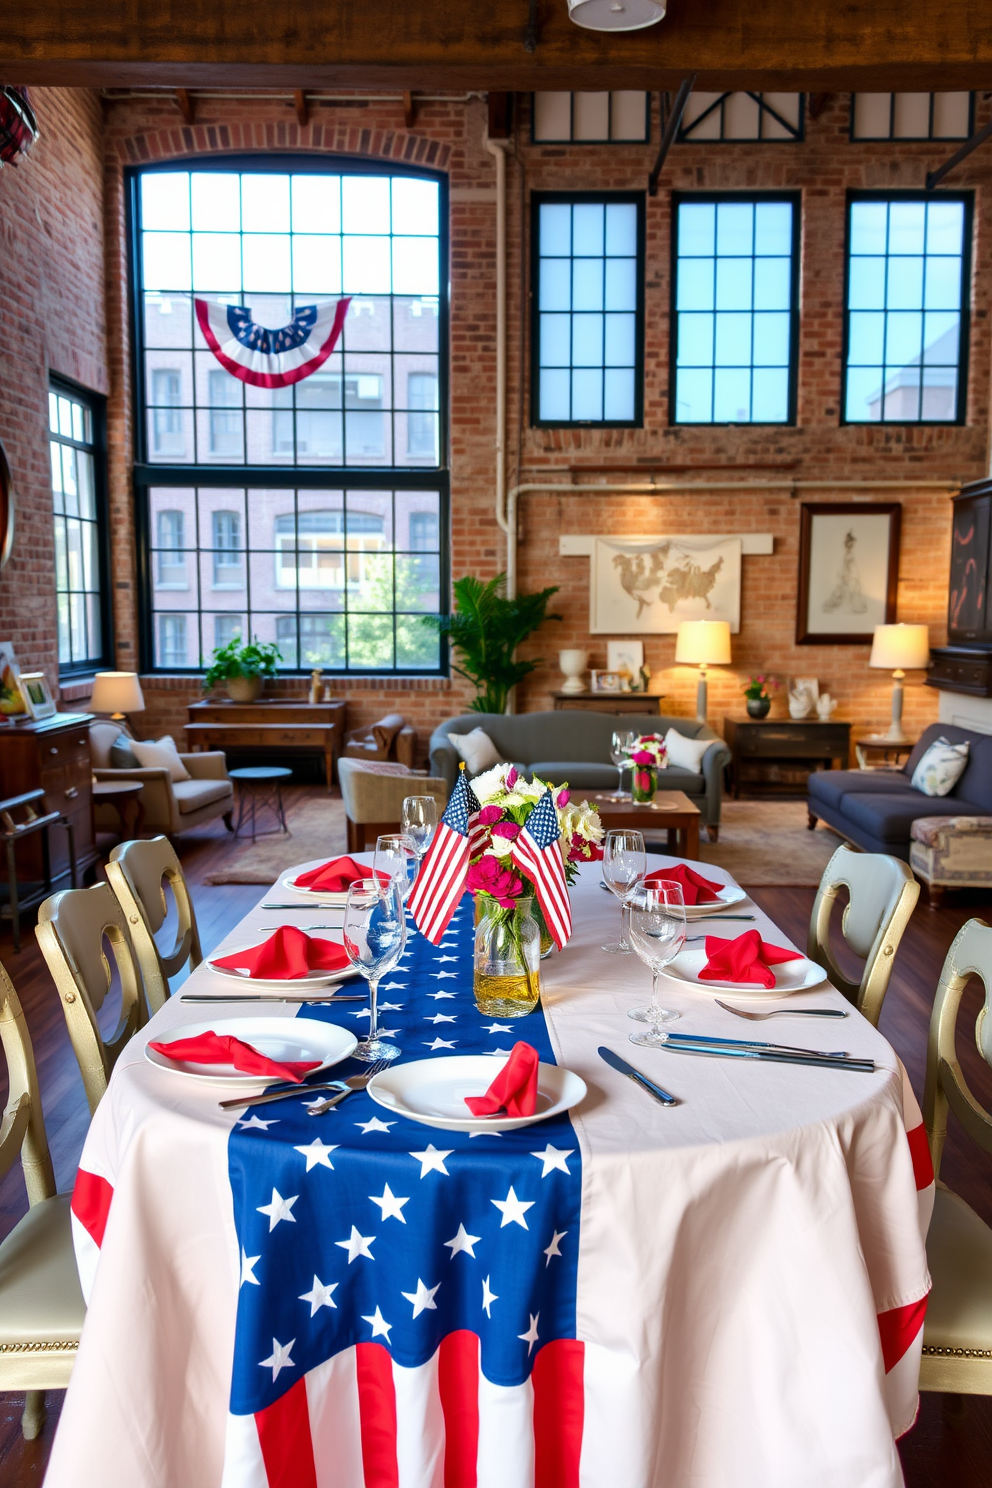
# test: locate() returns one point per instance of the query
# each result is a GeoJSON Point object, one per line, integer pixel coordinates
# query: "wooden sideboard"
{"type": "Point", "coordinates": [609, 702]}
{"type": "Point", "coordinates": [53, 755]}
{"type": "Point", "coordinates": [780, 753]}
{"type": "Point", "coordinates": [271, 728]}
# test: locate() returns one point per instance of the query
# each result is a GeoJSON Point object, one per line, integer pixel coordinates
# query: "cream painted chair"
{"type": "Point", "coordinates": [957, 1335]}
{"type": "Point", "coordinates": [71, 930]}
{"type": "Point", "coordinates": [41, 1305]}
{"type": "Point", "coordinates": [373, 794]}
{"type": "Point", "coordinates": [138, 873]}
{"type": "Point", "coordinates": [883, 895]}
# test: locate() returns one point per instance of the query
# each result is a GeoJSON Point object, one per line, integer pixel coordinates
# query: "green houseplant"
{"type": "Point", "coordinates": [243, 666]}
{"type": "Point", "coordinates": [485, 629]}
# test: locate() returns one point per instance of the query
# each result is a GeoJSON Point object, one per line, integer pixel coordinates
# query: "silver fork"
{"type": "Point", "coordinates": [783, 1012]}
{"type": "Point", "coordinates": [357, 1082]}
{"type": "Point", "coordinates": [342, 1087]}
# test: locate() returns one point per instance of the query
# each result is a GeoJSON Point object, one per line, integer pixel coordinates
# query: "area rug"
{"type": "Point", "coordinates": [318, 829]}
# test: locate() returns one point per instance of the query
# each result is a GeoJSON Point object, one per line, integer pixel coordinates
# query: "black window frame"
{"type": "Point", "coordinates": [97, 405]}
{"type": "Point", "coordinates": [796, 199]}
{"type": "Point", "coordinates": [608, 198]}
{"type": "Point", "coordinates": [964, 343]}
{"type": "Point", "coordinates": [301, 478]}
{"type": "Point", "coordinates": [909, 139]}
{"type": "Point", "coordinates": [796, 133]}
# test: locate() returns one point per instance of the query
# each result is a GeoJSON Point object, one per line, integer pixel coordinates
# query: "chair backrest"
{"type": "Point", "coordinates": [22, 1131]}
{"type": "Point", "coordinates": [883, 895]}
{"type": "Point", "coordinates": [970, 955]}
{"type": "Point", "coordinates": [71, 930]}
{"type": "Point", "coordinates": [138, 872]}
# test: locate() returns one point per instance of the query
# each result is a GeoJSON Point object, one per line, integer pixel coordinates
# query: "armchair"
{"type": "Point", "coordinates": [170, 806]}
{"type": "Point", "coordinates": [392, 738]}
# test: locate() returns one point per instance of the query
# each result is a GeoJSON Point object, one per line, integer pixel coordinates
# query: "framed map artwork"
{"type": "Point", "coordinates": [848, 571]}
{"type": "Point", "coordinates": [648, 586]}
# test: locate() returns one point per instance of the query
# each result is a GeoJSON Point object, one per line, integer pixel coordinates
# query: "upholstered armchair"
{"type": "Point", "coordinates": [170, 806]}
{"type": "Point", "coordinates": [392, 738]}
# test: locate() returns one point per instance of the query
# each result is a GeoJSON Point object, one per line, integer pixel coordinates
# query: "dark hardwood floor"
{"type": "Point", "coordinates": [937, 1451]}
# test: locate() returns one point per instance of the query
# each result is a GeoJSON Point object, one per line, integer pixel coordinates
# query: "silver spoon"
{"type": "Point", "coordinates": [783, 1012]}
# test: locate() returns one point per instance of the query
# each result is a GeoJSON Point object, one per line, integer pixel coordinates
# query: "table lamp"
{"type": "Point", "coordinates": [703, 643]}
{"type": "Point", "coordinates": [117, 693]}
{"type": "Point", "coordinates": [899, 649]}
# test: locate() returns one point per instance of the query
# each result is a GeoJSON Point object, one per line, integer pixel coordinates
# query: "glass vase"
{"type": "Point", "coordinates": [507, 959]}
{"type": "Point", "coordinates": [547, 944]}
{"type": "Point", "coordinates": [644, 783]}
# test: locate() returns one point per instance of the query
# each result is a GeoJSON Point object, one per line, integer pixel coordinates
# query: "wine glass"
{"type": "Point", "coordinates": [418, 820]}
{"type": "Point", "coordinates": [374, 939]}
{"type": "Point", "coordinates": [624, 866]}
{"type": "Point", "coordinates": [394, 857]}
{"type": "Point", "coordinates": [657, 930]}
{"type": "Point", "coordinates": [620, 746]}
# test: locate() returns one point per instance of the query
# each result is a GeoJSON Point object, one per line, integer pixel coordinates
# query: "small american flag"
{"type": "Point", "coordinates": [441, 879]}
{"type": "Point", "coordinates": [537, 852]}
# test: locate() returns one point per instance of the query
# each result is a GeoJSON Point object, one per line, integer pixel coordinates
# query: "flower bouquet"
{"type": "Point", "coordinates": [759, 698]}
{"type": "Point", "coordinates": [648, 756]}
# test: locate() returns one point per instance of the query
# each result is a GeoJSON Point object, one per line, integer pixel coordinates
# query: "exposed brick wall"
{"type": "Point", "coordinates": [65, 170]}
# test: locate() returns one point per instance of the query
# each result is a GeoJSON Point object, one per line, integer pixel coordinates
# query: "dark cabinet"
{"type": "Point", "coordinates": [965, 663]}
{"type": "Point", "coordinates": [53, 755]}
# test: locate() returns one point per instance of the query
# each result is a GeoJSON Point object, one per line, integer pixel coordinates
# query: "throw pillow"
{"type": "Point", "coordinates": [940, 769]}
{"type": "Point", "coordinates": [160, 755]}
{"type": "Point", "coordinates": [122, 756]}
{"type": "Point", "coordinates": [477, 750]}
{"type": "Point", "coordinates": [685, 753]}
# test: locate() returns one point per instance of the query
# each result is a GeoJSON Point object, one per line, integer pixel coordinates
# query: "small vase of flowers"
{"type": "Point", "coordinates": [647, 757]}
{"type": "Point", "coordinates": [759, 698]}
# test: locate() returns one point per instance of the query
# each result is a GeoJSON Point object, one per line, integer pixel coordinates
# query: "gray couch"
{"type": "Point", "coordinates": [574, 746]}
{"type": "Point", "coordinates": [876, 808]}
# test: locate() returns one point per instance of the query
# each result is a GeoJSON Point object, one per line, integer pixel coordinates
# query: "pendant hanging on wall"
{"type": "Point", "coordinates": [18, 125]}
{"type": "Point", "coordinates": [271, 358]}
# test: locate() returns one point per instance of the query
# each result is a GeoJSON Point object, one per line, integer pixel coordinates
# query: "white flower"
{"type": "Point", "coordinates": [501, 847]}
{"type": "Point", "coordinates": [490, 785]}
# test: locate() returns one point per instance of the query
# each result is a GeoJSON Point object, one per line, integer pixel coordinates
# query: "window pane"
{"type": "Point", "coordinates": [80, 580]}
{"type": "Point", "coordinates": [264, 203]}
{"type": "Point", "coordinates": [216, 198]}
{"type": "Point", "coordinates": [165, 201]}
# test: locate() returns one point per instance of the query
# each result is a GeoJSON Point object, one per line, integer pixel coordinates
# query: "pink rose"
{"type": "Point", "coordinates": [642, 758]}
{"type": "Point", "coordinates": [511, 777]}
{"type": "Point", "coordinates": [488, 876]}
{"type": "Point", "coordinates": [582, 851]}
{"type": "Point", "coordinates": [642, 781]}
{"type": "Point", "coordinates": [564, 796]}
{"type": "Point", "coordinates": [490, 814]}
{"type": "Point", "coordinates": [507, 829]}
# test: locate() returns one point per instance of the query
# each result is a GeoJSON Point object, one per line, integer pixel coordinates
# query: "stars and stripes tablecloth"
{"type": "Point", "coordinates": [728, 1292]}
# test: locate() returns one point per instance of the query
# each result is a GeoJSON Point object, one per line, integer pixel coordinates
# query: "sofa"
{"type": "Point", "coordinates": [170, 806]}
{"type": "Point", "coordinates": [574, 746]}
{"type": "Point", "coordinates": [876, 809]}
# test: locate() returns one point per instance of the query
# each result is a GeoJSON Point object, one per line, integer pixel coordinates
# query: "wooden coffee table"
{"type": "Point", "coordinates": [671, 811]}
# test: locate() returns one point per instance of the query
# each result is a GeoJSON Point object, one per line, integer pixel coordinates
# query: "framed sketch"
{"type": "Point", "coordinates": [605, 681]}
{"type": "Point", "coordinates": [648, 586]}
{"type": "Point", "coordinates": [626, 656]}
{"type": "Point", "coordinates": [37, 694]}
{"type": "Point", "coordinates": [11, 701]}
{"type": "Point", "coordinates": [848, 571]}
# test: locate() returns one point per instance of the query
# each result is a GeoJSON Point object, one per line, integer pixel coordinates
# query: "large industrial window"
{"type": "Point", "coordinates": [734, 290]}
{"type": "Point", "coordinates": [285, 484]}
{"type": "Point", "coordinates": [907, 308]}
{"type": "Point", "coordinates": [588, 273]}
{"type": "Point", "coordinates": [75, 433]}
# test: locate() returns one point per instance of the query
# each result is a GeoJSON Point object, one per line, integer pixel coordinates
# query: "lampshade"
{"type": "Point", "coordinates": [900, 648]}
{"type": "Point", "coordinates": [116, 692]}
{"type": "Point", "coordinates": [616, 15]}
{"type": "Point", "coordinates": [706, 642]}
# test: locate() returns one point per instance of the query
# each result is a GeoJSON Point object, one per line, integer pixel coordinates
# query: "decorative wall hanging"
{"type": "Point", "coordinates": [648, 586]}
{"type": "Point", "coordinates": [18, 125]}
{"type": "Point", "coordinates": [11, 701]}
{"type": "Point", "coordinates": [6, 508]}
{"type": "Point", "coordinates": [848, 571]}
{"type": "Point", "coordinates": [271, 358]}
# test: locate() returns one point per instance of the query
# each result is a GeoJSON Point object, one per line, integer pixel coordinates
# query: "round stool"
{"type": "Point", "coordinates": [260, 786]}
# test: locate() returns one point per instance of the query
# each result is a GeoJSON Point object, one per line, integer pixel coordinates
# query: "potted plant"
{"type": "Point", "coordinates": [759, 699]}
{"type": "Point", "coordinates": [485, 629]}
{"type": "Point", "coordinates": [243, 666]}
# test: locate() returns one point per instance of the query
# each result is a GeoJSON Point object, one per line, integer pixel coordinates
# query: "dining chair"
{"type": "Point", "coordinates": [41, 1305]}
{"type": "Point", "coordinates": [138, 873]}
{"type": "Point", "coordinates": [882, 896]}
{"type": "Point", "coordinates": [72, 927]}
{"type": "Point", "coordinates": [957, 1334]}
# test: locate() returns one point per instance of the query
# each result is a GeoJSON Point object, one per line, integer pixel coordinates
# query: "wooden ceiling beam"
{"type": "Point", "coordinates": [301, 107]}
{"type": "Point", "coordinates": [186, 104]}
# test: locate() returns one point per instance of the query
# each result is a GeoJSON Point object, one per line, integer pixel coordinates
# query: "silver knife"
{"type": "Point", "coordinates": [268, 997]}
{"type": "Point", "coordinates": [615, 1062]}
{"type": "Point", "coordinates": [302, 906]}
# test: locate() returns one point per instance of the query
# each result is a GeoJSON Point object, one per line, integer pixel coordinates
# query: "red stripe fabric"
{"type": "Point", "coordinates": [284, 1437]}
{"type": "Point", "coordinates": [269, 379]}
{"type": "Point", "coordinates": [559, 1407]}
{"type": "Point", "coordinates": [377, 1413]}
{"type": "Point", "coordinates": [91, 1198]}
{"type": "Point", "coordinates": [898, 1328]}
{"type": "Point", "coordinates": [439, 883]}
{"type": "Point", "coordinates": [458, 1384]}
{"type": "Point", "coordinates": [922, 1161]}
{"type": "Point", "coordinates": [547, 870]}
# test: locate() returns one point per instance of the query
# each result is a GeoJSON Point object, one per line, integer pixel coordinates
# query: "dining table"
{"type": "Point", "coordinates": [723, 1292]}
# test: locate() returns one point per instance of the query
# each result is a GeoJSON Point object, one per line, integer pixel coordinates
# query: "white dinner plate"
{"type": "Point", "coordinates": [433, 1092]}
{"type": "Point", "coordinates": [277, 1038]}
{"type": "Point", "coordinates": [322, 895]}
{"type": "Point", "coordinates": [790, 976]}
{"type": "Point", "coordinates": [312, 978]}
{"type": "Point", "coordinates": [731, 894]}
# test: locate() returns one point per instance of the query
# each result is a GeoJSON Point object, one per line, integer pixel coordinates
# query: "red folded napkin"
{"type": "Point", "coordinates": [695, 888]}
{"type": "Point", "coordinates": [286, 954]}
{"type": "Point", "coordinates": [215, 1048]}
{"type": "Point", "coordinates": [336, 877]}
{"type": "Point", "coordinates": [514, 1089]}
{"type": "Point", "coordinates": [748, 958]}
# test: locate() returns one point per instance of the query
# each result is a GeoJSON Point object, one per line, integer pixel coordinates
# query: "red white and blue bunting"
{"type": "Point", "coordinates": [267, 358]}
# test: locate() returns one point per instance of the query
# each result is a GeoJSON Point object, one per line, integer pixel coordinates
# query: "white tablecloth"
{"type": "Point", "coordinates": [750, 1272]}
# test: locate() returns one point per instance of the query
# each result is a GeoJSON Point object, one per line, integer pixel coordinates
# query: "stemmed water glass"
{"type": "Point", "coordinates": [374, 939]}
{"type": "Point", "coordinates": [620, 747]}
{"type": "Point", "coordinates": [395, 855]}
{"type": "Point", "coordinates": [418, 820]}
{"type": "Point", "coordinates": [657, 930]}
{"type": "Point", "coordinates": [624, 866]}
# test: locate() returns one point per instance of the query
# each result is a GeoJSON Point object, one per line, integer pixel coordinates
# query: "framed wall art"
{"type": "Point", "coordinates": [37, 694]}
{"type": "Point", "coordinates": [848, 571]}
{"type": "Point", "coordinates": [11, 701]}
{"type": "Point", "coordinates": [648, 586]}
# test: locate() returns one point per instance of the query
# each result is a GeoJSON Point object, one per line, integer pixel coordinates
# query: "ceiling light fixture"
{"type": "Point", "coordinates": [616, 15]}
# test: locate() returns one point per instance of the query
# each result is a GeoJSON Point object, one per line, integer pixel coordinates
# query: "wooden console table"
{"type": "Point", "coordinates": [783, 748]}
{"type": "Point", "coordinates": [53, 755]}
{"type": "Point", "coordinates": [609, 702]}
{"type": "Point", "coordinates": [275, 729]}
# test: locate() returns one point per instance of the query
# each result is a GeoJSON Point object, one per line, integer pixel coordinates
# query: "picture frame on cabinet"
{"type": "Point", "coordinates": [848, 571]}
{"type": "Point", "coordinates": [11, 701]}
{"type": "Point", "coordinates": [37, 694]}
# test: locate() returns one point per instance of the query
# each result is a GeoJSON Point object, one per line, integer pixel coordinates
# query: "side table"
{"type": "Point", "coordinates": [892, 754]}
{"type": "Point", "coordinates": [125, 797]}
{"type": "Point", "coordinates": [768, 752]}
{"type": "Point", "coordinates": [260, 786]}
{"type": "Point", "coordinates": [646, 703]}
